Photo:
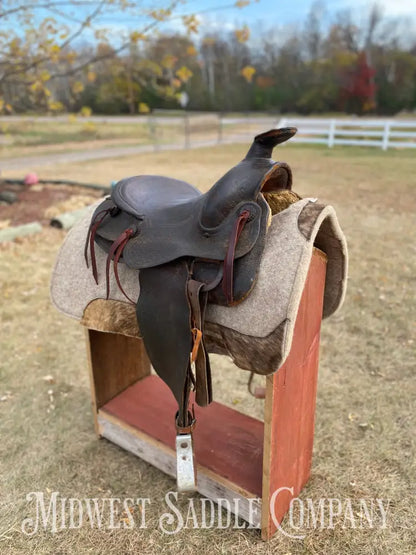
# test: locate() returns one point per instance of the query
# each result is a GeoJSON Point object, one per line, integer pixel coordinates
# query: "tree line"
{"type": "Point", "coordinates": [339, 66]}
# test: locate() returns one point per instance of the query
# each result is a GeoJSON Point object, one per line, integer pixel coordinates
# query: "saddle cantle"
{"type": "Point", "coordinates": [192, 249]}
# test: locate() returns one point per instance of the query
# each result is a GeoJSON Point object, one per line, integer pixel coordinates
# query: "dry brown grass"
{"type": "Point", "coordinates": [365, 441]}
{"type": "Point", "coordinates": [32, 138]}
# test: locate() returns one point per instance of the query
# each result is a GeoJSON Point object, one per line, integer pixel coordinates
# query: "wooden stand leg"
{"type": "Point", "coordinates": [115, 363]}
{"type": "Point", "coordinates": [290, 407]}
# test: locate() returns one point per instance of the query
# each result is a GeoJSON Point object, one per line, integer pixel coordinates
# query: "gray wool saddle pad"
{"type": "Point", "coordinates": [264, 321]}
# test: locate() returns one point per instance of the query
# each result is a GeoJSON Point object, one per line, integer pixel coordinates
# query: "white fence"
{"type": "Point", "coordinates": [358, 132]}
{"type": "Point", "coordinates": [205, 129]}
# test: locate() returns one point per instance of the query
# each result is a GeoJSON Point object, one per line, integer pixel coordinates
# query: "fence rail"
{"type": "Point", "coordinates": [379, 133]}
{"type": "Point", "coordinates": [207, 129]}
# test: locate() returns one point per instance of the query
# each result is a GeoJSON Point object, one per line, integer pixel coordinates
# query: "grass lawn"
{"type": "Point", "coordinates": [365, 442]}
{"type": "Point", "coordinates": [33, 132]}
{"type": "Point", "coordinates": [31, 136]}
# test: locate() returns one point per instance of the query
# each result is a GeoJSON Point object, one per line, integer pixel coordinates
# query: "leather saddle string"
{"type": "Point", "coordinates": [228, 279]}
{"type": "Point", "coordinates": [90, 241]}
{"type": "Point", "coordinates": [115, 253]}
{"type": "Point", "coordinates": [117, 256]}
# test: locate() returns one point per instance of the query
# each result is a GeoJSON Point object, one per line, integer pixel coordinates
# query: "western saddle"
{"type": "Point", "coordinates": [191, 249]}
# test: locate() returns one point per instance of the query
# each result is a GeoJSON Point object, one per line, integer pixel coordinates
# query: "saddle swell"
{"type": "Point", "coordinates": [191, 249]}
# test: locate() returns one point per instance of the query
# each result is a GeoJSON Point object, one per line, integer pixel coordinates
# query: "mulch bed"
{"type": "Point", "coordinates": [33, 201]}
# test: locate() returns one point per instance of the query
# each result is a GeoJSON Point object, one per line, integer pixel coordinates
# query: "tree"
{"type": "Point", "coordinates": [360, 89]}
{"type": "Point", "coordinates": [40, 43]}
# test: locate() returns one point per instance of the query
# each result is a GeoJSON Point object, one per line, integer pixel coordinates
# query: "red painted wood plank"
{"type": "Point", "coordinates": [294, 399]}
{"type": "Point", "coordinates": [227, 442]}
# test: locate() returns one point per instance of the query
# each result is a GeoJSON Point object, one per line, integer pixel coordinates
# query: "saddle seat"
{"type": "Point", "coordinates": [149, 194]}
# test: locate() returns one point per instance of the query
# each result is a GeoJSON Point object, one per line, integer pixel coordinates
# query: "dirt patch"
{"type": "Point", "coordinates": [41, 202]}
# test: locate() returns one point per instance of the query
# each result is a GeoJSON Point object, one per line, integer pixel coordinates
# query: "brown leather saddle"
{"type": "Point", "coordinates": [191, 249]}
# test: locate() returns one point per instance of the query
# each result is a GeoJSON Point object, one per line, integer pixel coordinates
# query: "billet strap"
{"type": "Point", "coordinates": [199, 356]}
{"type": "Point", "coordinates": [228, 279]}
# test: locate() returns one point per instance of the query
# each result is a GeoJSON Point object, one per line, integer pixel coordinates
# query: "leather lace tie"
{"type": "Point", "coordinates": [114, 254]}
{"type": "Point", "coordinates": [228, 279]}
{"type": "Point", "coordinates": [90, 241]}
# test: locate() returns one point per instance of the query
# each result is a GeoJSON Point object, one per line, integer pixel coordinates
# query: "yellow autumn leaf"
{"type": "Point", "coordinates": [191, 51]}
{"type": "Point", "coordinates": [85, 111]}
{"type": "Point", "coordinates": [72, 118]}
{"type": "Point", "coordinates": [55, 106]}
{"type": "Point", "coordinates": [184, 74]}
{"type": "Point", "coordinates": [71, 57]}
{"type": "Point", "coordinates": [176, 83]}
{"type": "Point", "coordinates": [14, 45]}
{"type": "Point", "coordinates": [36, 86]}
{"type": "Point", "coordinates": [169, 61]}
{"type": "Point", "coordinates": [248, 73]}
{"type": "Point", "coordinates": [44, 75]}
{"type": "Point", "coordinates": [191, 23]}
{"type": "Point", "coordinates": [242, 34]}
{"type": "Point", "coordinates": [161, 14]}
{"type": "Point", "coordinates": [77, 87]}
{"type": "Point", "coordinates": [91, 76]}
{"type": "Point", "coordinates": [242, 3]}
{"type": "Point", "coordinates": [135, 36]}
{"type": "Point", "coordinates": [54, 53]}
{"type": "Point", "coordinates": [143, 108]}
{"type": "Point", "coordinates": [169, 92]}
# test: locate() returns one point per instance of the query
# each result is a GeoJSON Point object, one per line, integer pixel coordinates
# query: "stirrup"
{"type": "Point", "coordinates": [185, 459]}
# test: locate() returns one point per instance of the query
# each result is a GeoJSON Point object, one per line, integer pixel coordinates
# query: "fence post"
{"type": "Point", "coordinates": [187, 130]}
{"type": "Point", "coordinates": [220, 138]}
{"type": "Point", "coordinates": [386, 134]}
{"type": "Point", "coordinates": [331, 134]}
{"type": "Point", "coordinates": [151, 121]}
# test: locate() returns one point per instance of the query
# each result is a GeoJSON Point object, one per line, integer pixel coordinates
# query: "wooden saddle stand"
{"type": "Point", "coordinates": [238, 457]}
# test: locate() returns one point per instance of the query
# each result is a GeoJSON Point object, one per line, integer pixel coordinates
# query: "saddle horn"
{"type": "Point", "coordinates": [244, 182]}
{"type": "Point", "coordinates": [264, 143]}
